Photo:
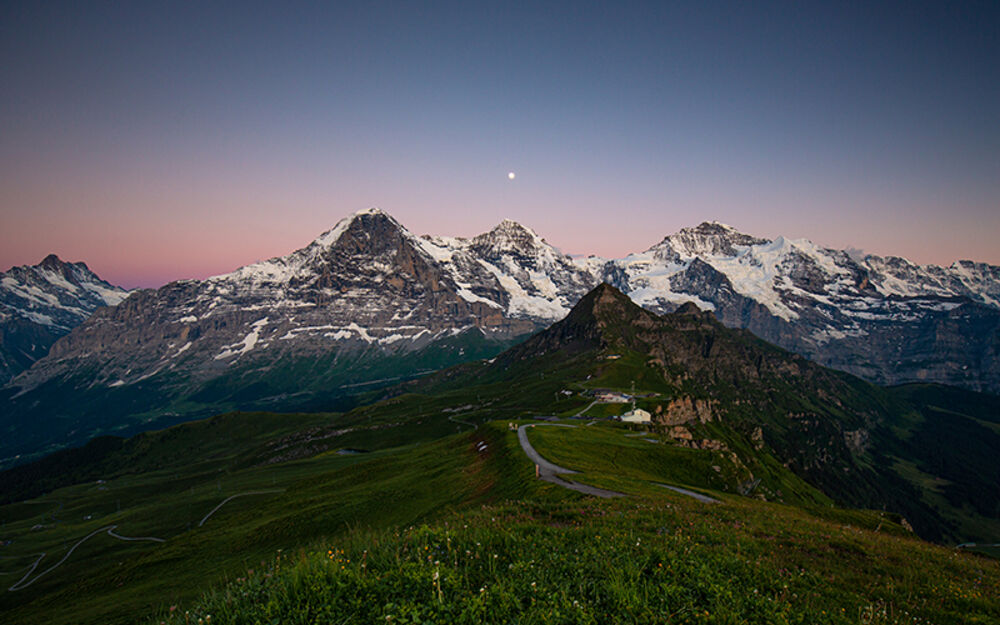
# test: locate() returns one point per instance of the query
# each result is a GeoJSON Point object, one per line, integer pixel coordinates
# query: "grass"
{"type": "Point", "coordinates": [111, 581]}
{"type": "Point", "coordinates": [276, 557]}
{"type": "Point", "coordinates": [654, 560]}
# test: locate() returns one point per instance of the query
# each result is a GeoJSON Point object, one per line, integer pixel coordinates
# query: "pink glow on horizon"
{"type": "Point", "coordinates": [163, 245]}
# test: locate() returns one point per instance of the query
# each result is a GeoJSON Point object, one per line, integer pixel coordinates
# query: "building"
{"type": "Point", "coordinates": [612, 398]}
{"type": "Point", "coordinates": [637, 415]}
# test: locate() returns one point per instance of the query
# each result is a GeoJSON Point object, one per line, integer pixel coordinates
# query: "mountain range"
{"type": "Point", "coordinates": [368, 302]}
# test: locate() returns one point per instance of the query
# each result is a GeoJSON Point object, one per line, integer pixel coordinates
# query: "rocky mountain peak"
{"type": "Point", "coordinates": [39, 303]}
{"type": "Point", "coordinates": [709, 238]}
{"type": "Point", "coordinates": [507, 237]}
{"type": "Point", "coordinates": [51, 262]}
{"type": "Point", "coordinates": [688, 308]}
{"type": "Point", "coordinates": [366, 231]}
{"type": "Point", "coordinates": [604, 306]}
{"type": "Point", "coordinates": [76, 273]}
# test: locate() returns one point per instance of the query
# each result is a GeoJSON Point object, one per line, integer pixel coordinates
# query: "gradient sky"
{"type": "Point", "coordinates": [183, 139]}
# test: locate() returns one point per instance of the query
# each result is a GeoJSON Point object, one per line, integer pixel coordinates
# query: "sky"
{"type": "Point", "coordinates": [168, 140]}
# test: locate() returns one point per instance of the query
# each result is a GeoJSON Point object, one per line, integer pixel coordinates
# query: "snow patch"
{"type": "Point", "coordinates": [244, 346]}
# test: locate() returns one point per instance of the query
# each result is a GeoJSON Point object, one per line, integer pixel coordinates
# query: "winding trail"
{"type": "Point", "coordinates": [110, 529]}
{"type": "Point", "coordinates": [17, 585]}
{"type": "Point", "coordinates": [23, 583]}
{"type": "Point", "coordinates": [112, 534]}
{"type": "Point", "coordinates": [689, 493]}
{"type": "Point", "coordinates": [231, 497]}
{"type": "Point", "coordinates": [548, 471]}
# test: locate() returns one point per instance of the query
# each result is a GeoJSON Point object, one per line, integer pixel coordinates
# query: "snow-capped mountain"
{"type": "Point", "coordinates": [368, 283]}
{"type": "Point", "coordinates": [883, 319]}
{"type": "Point", "coordinates": [39, 303]}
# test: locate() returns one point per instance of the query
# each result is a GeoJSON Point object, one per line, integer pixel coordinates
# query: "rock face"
{"type": "Point", "coordinates": [40, 303]}
{"type": "Point", "coordinates": [365, 304]}
{"type": "Point", "coordinates": [685, 410]}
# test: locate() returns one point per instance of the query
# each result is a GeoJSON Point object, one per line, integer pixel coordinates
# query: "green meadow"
{"type": "Point", "coordinates": [453, 528]}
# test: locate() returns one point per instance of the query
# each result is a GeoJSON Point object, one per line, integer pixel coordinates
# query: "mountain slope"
{"type": "Point", "coordinates": [711, 387]}
{"type": "Point", "coordinates": [477, 492]}
{"type": "Point", "coordinates": [40, 303]}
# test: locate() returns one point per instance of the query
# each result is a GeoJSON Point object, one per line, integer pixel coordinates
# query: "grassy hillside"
{"type": "Point", "coordinates": [806, 562]}
{"type": "Point", "coordinates": [283, 505]}
{"type": "Point", "coordinates": [71, 410]}
{"type": "Point", "coordinates": [654, 557]}
{"type": "Point", "coordinates": [925, 452]}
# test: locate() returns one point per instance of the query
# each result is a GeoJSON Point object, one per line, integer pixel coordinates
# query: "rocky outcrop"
{"type": "Point", "coordinates": [684, 410]}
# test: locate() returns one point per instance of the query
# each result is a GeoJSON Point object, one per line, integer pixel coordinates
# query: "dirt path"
{"type": "Point", "coordinates": [548, 471]}
{"type": "Point", "coordinates": [231, 497]}
{"type": "Point", "coordinates": [112, 534]}
{"type": "Point", "coordinates": [110, 529]}
{"type": "Point", "coordinates": [689, 493]}
{"type": "Point", "coordinates": [18, 584]}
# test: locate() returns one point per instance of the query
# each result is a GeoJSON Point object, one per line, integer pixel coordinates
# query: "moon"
{"type": "Point", "coordinates": [510, 175]}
